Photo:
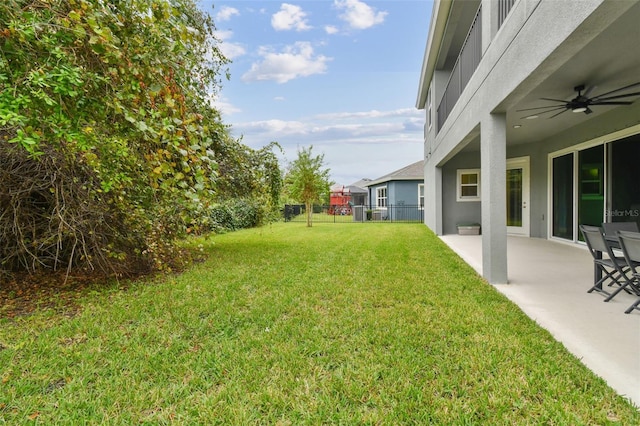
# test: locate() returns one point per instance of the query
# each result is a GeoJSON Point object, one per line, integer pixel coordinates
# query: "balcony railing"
{"type": "Point", "coordinates": [465, 66]}
{"type": "Point", "coordinates": [504, 7]}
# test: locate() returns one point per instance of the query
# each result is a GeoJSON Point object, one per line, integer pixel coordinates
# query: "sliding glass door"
{"type": "Point", "coordinates": [590, 187]}
{"type": "Point", "coordinates": [578, 191]}
{"type": "Point", "coordinates": [624, 185]}
{"type": "Point", "coordinates": [562, 188]}
{"type": "Point", "coordinates": [595, 185]}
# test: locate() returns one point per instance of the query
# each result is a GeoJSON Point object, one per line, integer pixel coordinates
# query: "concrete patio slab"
{"type": "Point", "coordinates": [549, 280]}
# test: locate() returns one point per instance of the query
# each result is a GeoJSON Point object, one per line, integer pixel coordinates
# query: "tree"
{"type": "Point", "coordinates": [106, 124]}
{"type": "Point", "coordinates": [307, 180]}
{"type": "Point", "coordinates": [247, 173]}
{"type": "Point", "coordinates": [248, 185]}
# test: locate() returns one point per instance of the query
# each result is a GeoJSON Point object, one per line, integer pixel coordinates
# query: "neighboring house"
{"type": "Point", "coordinates": [359, 193]}
{"type": "Point", "coordinates": [507, 123]}
{"type": "Point", "coordinates": [398, 195]}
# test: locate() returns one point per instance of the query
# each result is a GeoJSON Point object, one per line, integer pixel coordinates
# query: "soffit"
{"type": "Point", "coordinates": [460, 18]}
{"type": "Point", "coordinates": [609, 61]}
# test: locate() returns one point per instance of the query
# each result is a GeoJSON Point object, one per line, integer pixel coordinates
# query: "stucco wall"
{"type": "Point", "coordinates": [602, 129]}
{"type": "Point", "coordinates": [458, 211]}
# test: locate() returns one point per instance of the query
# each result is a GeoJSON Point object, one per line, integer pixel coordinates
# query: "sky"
{"type": "Point", "coordinates": [340, 75]}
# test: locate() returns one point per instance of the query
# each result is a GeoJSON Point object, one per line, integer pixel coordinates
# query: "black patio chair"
{"type": "Point", "coordinates": [630, 245]}
{"type": "Point", "coordinates": [611, 229]}
{"type": "Point", "coordinates": [611, 268]}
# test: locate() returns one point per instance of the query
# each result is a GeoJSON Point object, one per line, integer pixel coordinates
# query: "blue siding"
{"type": "Point", "coordinates": [404, 192]}
{"type": "Point", "coordinates": [399, 194]}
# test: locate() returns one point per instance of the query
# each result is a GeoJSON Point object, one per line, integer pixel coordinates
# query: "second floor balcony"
{"type": "Point", "coordinates": [467, 60]}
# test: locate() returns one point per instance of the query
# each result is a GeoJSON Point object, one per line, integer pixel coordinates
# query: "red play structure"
{"type": "Point", "coordinates": [340, 200]}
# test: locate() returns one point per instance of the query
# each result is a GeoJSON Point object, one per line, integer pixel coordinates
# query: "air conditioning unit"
{"type": "Point", "coordinates": [358, 213]}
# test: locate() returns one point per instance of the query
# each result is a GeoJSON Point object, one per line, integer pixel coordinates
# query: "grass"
{"type": "Point", "coordinates": [292, 325]}
{"type": "Point", "coordinates": [323, 218]}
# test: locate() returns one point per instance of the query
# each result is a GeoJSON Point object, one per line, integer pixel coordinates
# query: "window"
{"type": "Point", "coordinates": [429, 108]}
{"type": "Point", "coordinates": [421, 196]}
{"type": "Point", "coordinates": [381, 196]}
{"type": "Point", "coordinates": [468, 185]}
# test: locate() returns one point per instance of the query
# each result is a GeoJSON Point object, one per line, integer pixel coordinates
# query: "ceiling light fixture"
{"type": "Point", "coordinates": [579, 109]}
{"type": "Point", "coordinates": [517, 126]}
{"type": "Point", "coordinates": [531, 117]}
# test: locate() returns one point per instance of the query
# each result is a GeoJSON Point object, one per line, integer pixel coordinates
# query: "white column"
{"type": "Point", "coordinates": [494, 198]}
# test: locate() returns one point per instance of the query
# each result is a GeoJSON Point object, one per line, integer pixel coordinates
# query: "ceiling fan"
{"type": "Point", "coordinates": [582, 102]}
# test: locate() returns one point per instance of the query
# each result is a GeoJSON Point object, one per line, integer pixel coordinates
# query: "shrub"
{"type": "Point", "coordinates": [231, 215]}
{"type": "Point", "coordinates": [52, 217]}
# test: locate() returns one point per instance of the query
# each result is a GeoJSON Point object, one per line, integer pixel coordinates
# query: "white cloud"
{"type": "Point", "coordinates": [226, 13]}
{"type": "Point", "coordinates": [290, 17]}
{"type": "Point", "coordinates": [223, 34]}
{"type": "Point", "coordinates": [414, 124]}
{"type": "Point", "coordinates": [358, 14]}
{"type": "Point", "coordinates": [327, 128]}
{"type": "Point", "coordinates": [222, 105]}
{"type": "Point", "coordinates": [330, 29]}
{"type": "Point", "coordinates": [229, 49]}
{"type": "Point", "coordinates": [295, 61]}
{"type": "Point", "coordinates": [279, 98]}
{"type": "Point", "coordinates": [403, 112]}
{"type": "Point", "coordinates": [356, 144]}
{"type": "Point", "coordinates": [281, 127]}
{"type": "Point", "coordinates": [232, 50]}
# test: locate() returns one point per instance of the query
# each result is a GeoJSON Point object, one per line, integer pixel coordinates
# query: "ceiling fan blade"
{"type": "Point", "coordinates": [611, 103]}
{"type": "Point", "coordinates": [544, 107]}
{"type": "Point", "coordinates": [588, 111]}
{"type": "Point", "coordinates": [554, 109]}
{"type": "Point", "coordinates": [544, 112]}
{"type": "Point", "coordinates": [555, 115]}
{"type": "Point", "coordinates": [618, 90]}
{"type": "Point", "coordinates": [600, 98]}
{"type": "Point", "coordinates": [554, 100]}
{"type": "Point", "coordinates": [589, 90]}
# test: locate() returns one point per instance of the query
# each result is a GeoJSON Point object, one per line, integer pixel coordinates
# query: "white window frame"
{"type": "Point", "coordinates": [421, 196]}
{"type": "Point", "coordinates": [379, 198]}
{"type": "Point", "coordinates": [459, 185]}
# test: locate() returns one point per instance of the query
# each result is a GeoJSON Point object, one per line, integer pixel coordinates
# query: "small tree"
{"type": "Point", "coordinates": [308, 180]}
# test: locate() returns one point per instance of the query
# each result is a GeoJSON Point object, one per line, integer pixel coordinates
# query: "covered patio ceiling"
{"type": "Point", "coordinates": [608, 60]}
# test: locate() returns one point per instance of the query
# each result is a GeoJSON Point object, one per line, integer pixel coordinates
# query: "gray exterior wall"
{"type": "Point", "coordinates": [458, 211]}
{"type": "Point", "coordinates": [541, 51]}
{"type": "Point", "coordinates": [509, 60]}
{"type": "Point", "coordinates": [539, 155]}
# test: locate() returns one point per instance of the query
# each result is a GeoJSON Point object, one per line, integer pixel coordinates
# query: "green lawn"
{"type": "Point", "coordinates": [335, 324]}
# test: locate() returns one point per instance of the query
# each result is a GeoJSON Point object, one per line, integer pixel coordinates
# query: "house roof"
{"type": "Point", "coordinates": [358, 187]}
{"type": "Point", "coordinates": [413, 171]}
